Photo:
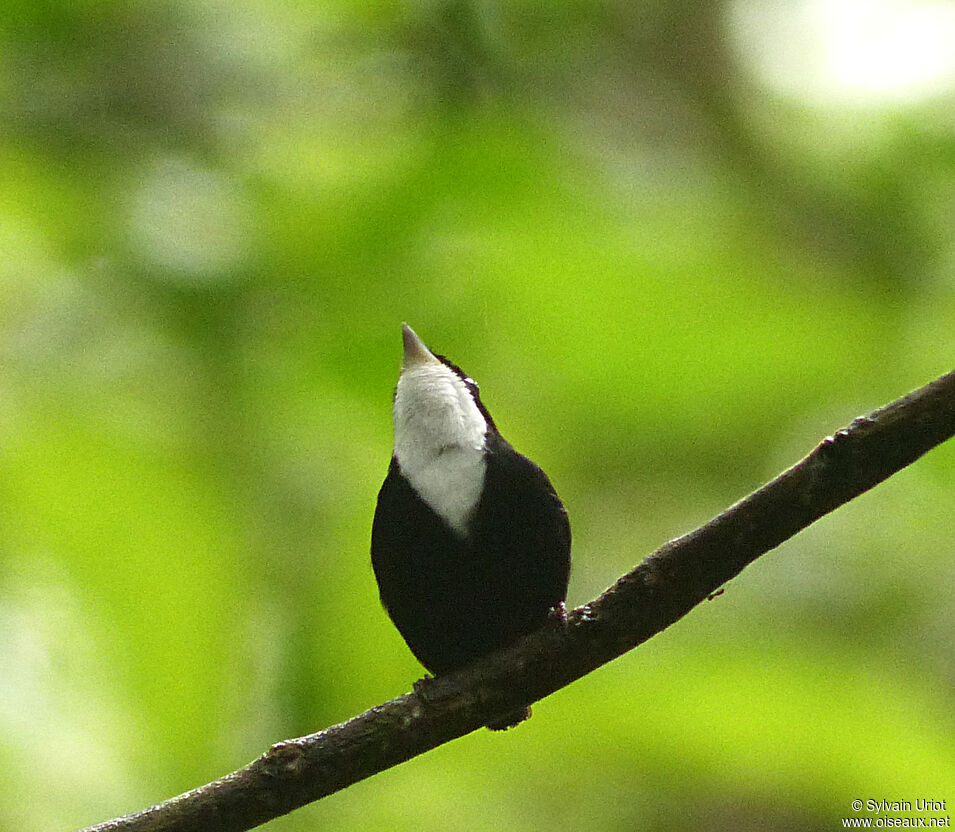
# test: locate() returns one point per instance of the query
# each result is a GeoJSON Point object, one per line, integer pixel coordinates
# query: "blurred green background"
{"type": "Point", "coordinates": [676, 242]}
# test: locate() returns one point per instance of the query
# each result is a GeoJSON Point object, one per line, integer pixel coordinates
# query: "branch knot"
{"type": "Point", "coordinates": [284, 759]}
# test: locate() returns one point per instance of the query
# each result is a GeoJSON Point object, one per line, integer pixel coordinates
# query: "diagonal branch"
{"type": "Point", "coordinates": [658, 592]}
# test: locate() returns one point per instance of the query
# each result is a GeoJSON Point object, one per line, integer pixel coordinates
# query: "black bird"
{"type": "Point", "coordinates": [470, 542]}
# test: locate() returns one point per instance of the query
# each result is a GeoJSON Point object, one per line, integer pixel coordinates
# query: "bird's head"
{"type": "Point", "coordinates": [437, 406]}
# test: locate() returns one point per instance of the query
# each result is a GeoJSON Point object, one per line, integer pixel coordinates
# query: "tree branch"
{"type": "Point", "coordinates": [661, 590]}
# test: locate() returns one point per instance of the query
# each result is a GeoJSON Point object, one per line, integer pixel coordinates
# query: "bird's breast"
{"type": "Point", "coordinates": [450, 482]}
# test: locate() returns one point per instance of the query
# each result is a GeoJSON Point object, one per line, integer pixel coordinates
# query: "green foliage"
{"type": "Point", "coordinates": [670, 282]}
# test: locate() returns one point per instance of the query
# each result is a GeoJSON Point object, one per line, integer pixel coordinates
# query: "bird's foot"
{"type": "Point", "coordinates": [558, 615]}
{"type": "Point", "coordinates": [421, 686]}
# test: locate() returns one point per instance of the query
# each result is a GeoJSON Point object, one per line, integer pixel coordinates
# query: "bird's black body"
{"type": "Point", "coordinates": [455, 598]}
{"type": "Point", "coordinates": [459, 593]}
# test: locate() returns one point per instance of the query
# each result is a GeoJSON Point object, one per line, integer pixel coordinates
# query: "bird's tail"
{"type": "Point", "coordinates": [506, 721]}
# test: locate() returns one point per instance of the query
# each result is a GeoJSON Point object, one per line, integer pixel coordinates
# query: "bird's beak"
{"type": "Point", "coordinates": [416, 353]}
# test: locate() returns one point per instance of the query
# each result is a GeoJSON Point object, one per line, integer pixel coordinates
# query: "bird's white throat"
{"type": "Point", "coordinates": [439, 441]}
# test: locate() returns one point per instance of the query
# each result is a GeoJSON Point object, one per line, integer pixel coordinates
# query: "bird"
{"type": "Point", "coordinates": [470, 543]}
